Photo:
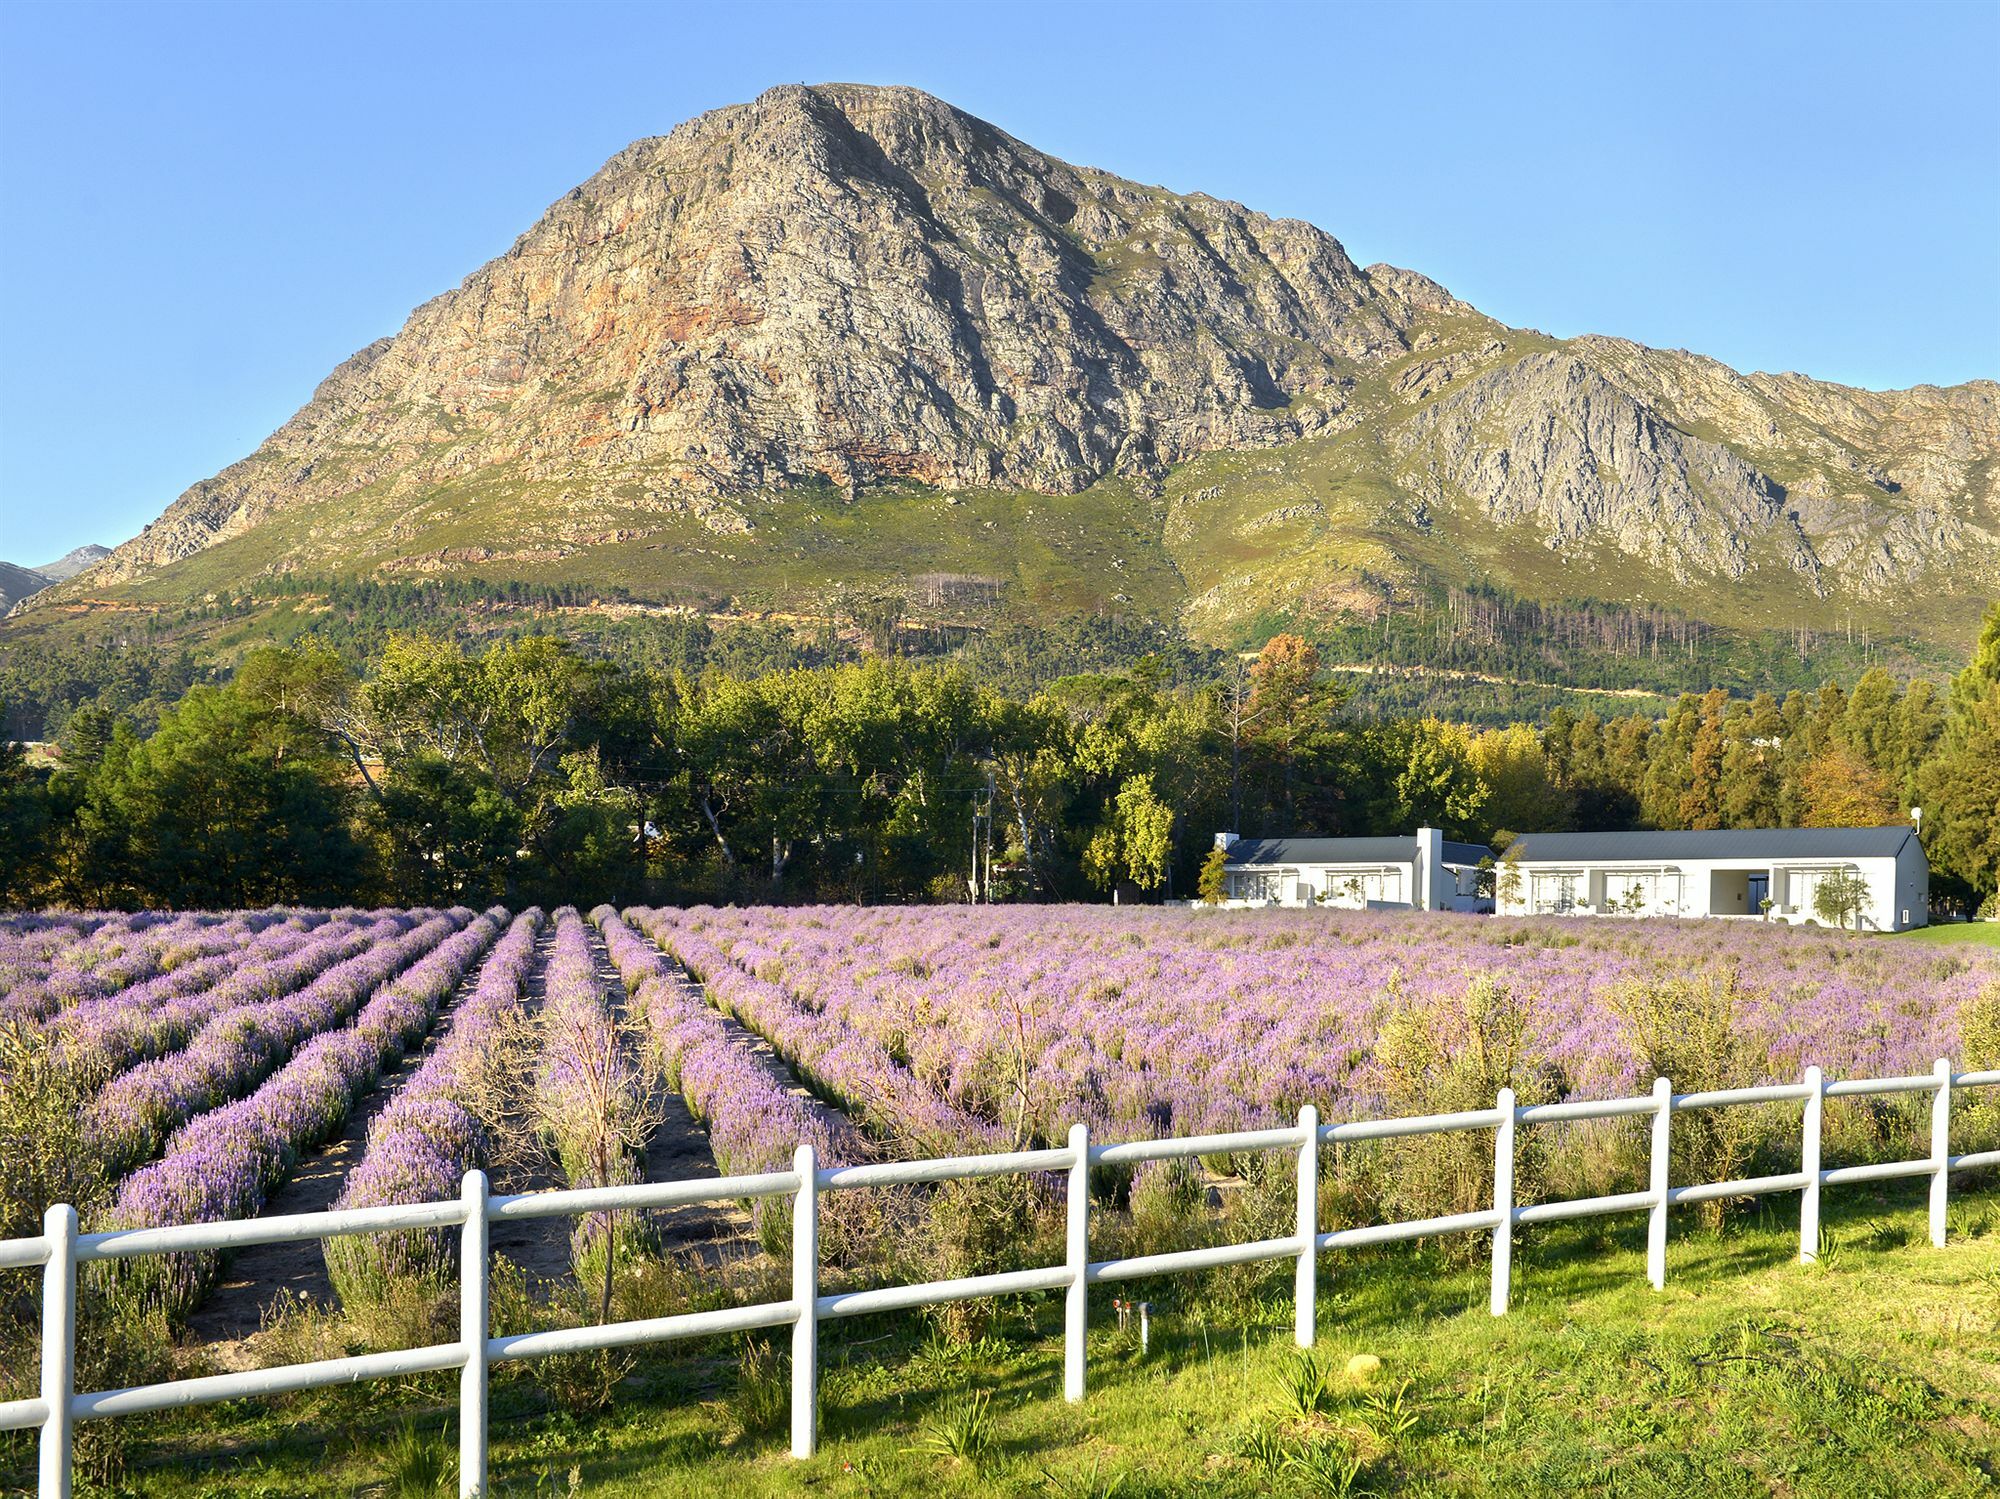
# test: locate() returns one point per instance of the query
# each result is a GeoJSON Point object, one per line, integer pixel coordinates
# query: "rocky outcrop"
{"type": "Point", "coordinates": [1547, 442]}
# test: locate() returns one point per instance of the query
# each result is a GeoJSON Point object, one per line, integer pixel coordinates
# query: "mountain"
{"type": "Point", "coordinates": [16, 583]}
{"type": "Point", "coordinates": [848, 342]}
{"type": "Point", "coordinates": [71, 563]}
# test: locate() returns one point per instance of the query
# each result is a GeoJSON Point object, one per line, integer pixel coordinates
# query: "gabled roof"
{"type": "Point", "coordinates": [1720, 843]}
{"type": "Point", "coordinates": [1395, 850]}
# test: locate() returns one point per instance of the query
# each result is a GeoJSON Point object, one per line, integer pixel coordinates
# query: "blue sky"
{"type": "Point", "coordinates": [211, 205]}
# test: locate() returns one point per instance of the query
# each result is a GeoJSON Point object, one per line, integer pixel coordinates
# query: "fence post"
{"type": "Point", "coordinates": [1656, 1225]}
{"type": "Point", "coordinates": [1076, 1299]}
{"type": "Point", "coordinates": [805, 1304]}
{"type": "Point", "coordinates": [1809, 1164]}
{"type": "Point", "coordinates": [1503, 1203]}
{"type": "Point", "coordinates": [1940, 1150]}
{"type": "Point", "coordinates": [474, 1320]}
{"type": "Point", "coordinates": [58, 1349]}
{"type": "Point", "coordinates": [1306, 1289]}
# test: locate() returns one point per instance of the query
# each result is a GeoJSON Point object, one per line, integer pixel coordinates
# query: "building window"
{"type": "Point", "coordinates": [1631, 892]}
{"type": "Point", "coordinates": [1355, 888]}
{"type": "Point", "coordinates": [1261, 884]}
{"type": "Point", "coordinates": [1554, 893]}
{"type": "Point", "coordinates": [1803, 885]}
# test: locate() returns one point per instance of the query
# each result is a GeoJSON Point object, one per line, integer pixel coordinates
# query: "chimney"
{"type": "Point", "coordinates": [1431, 875]}
{"type": "Point", "coordinates": [1226, 841]}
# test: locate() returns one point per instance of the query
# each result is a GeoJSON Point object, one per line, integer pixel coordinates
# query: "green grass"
{"type": "Point", "coordinates": [1978, 933]}
{"type": "Point", "coordinates": [1875, 1373]}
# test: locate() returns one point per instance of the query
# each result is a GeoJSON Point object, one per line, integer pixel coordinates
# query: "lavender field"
{"type": "Point", "coordinates": [172, 1069]}
{"type": "Point", "coordinates": [1148, 1022]}
{"type": "Point", "coordinates": [207, 1053]}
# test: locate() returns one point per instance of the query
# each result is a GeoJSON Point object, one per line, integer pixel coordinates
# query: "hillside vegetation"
{"type": "Point", "coordinates": [523, 769]}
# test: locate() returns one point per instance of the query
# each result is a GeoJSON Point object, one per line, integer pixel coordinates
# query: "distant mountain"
{"type": "Point", "coordinates": [16, 583]}
{"type": "Point", "coordinates": [71, 563]}
{"type": "Point", "coordinates": [850, 342]}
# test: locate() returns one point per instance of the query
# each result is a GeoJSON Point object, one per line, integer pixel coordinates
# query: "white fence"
{"type": "Point", "coordinates": [59, 1250]}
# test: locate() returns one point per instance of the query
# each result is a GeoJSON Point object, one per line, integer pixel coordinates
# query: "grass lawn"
{"type": "Point", "coordinates": [1875, 1373]}
{"type": "Point", "coordinates": [1982, 933]}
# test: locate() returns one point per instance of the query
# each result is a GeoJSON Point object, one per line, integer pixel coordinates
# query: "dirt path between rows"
{"type": "Point", "coordinates": [252, 1278]}
{"type": "Point", "coordinates": [710, 1234]}
{"type": "Point", "coordinates": [677, 1151]}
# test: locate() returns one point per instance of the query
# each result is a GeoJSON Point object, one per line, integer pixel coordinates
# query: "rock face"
{"type": "Point", "coordinates": [844, 287]}
{"type": "Point", "coordinates": [1549, 443]}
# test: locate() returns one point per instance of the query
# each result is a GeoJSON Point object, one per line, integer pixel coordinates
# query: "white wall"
{"type": "Point", "coordinates": [1895, 886]}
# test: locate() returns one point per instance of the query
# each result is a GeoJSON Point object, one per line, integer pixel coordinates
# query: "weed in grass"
{"type": "Point", "coordinates": [1388, 1415]}
{"type": "Point", "coordinates": [420, 1465]}
{"type": "Point", "coordinates": [1264, 1449]}
{"type": "Point", "coordinates": [938, 1358]}
{"type": "Point", "coordinates": [1084, 1483]}
{"type": "Point", "coordinates": [960, 1429]}
{"type": "Point", "coordinates": [759, 1403]}
{"type": "Point", "coordinates": [1329, 1470]}
{"type": "Point", "coordinates": [1305, 1387]}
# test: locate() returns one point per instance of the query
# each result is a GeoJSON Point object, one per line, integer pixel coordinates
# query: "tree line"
{"type": "Point", "coordinates": [528, 770]}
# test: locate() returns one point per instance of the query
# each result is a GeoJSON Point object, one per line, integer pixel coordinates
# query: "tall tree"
{"type": "Point", "coordinates": [1961, 784]}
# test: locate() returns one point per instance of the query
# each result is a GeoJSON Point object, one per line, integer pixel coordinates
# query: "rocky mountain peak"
{"type": "Point", "coordinates": [840, 289]}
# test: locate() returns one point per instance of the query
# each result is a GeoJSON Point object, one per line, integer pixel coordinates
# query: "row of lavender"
{"type": "Point", "coordinates": [53, 964]}
{"type": "Point", "coordinates": [357, 1019]}
{"type": "Point", "coordinates": [441, 1123]}
{"type": "Point", "coordinates": [1150, 1022]}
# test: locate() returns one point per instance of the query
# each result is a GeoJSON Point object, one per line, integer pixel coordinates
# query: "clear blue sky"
{"type": "Point", "coordinates": [208, 206]}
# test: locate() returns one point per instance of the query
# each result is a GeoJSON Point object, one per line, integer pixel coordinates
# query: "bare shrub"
{"type": "Point", "coordinates": [983, 1226]}
{"type": "Point", "coordinates": [1691, 1031]}
{"type": "Point", "coordinates": [46, 1153]}
{"type": "Point", "coordinates": [1448, 1055]}
{"type": "Point", "coordinates": [1978, 1119]}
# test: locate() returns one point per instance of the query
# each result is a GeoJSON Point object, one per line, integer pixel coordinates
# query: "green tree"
{"type": "Point", "coordinates": [1961, 782]}
{"type": "Point", "coordinates": [1135, 841]}
{"type": "Point", "coordinates": [446, 833]}
{"type": "Point", "coordinates": [1521, 791]}
{"type": "Point", "coordinates": [1213, 884]}
{"type": "Point", "coordinates": [25, 814]}
{"type": "Point", "coordinates": [207, 813]}
{"type": "Point", "coordinates": [1839, 896]}
{"type": "Point", "coordinates": [1431, 778]}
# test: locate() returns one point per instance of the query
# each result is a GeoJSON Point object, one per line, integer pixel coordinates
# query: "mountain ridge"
{"type": "Point", "coordinates": [17, 582]}
{"type": "Point", "coordinates": [844, 335]}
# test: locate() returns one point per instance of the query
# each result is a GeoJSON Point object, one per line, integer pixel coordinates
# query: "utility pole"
{"type": "Point", "coordinates": [982, 842]}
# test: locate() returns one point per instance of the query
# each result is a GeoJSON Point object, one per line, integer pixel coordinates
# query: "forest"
{"type": "Point", "coordinates": [527, 768]}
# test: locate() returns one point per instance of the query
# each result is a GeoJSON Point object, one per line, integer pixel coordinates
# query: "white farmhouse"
{"type": "Point", "coordinates": [1730, 872]}
{"type": "Point", "coordinates": [1421, 873]}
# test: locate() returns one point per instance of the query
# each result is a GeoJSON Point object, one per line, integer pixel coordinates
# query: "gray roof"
{"type": "Point", "coordinates": [1398, 850]}
{"type": "Point", "coordinates": [1720, 843]}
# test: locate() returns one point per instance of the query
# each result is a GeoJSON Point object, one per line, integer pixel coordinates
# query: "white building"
{"type": "Point", "coordinates": [1423, 873]}
{"type": "Point", "coordinates": [1730, 872]}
